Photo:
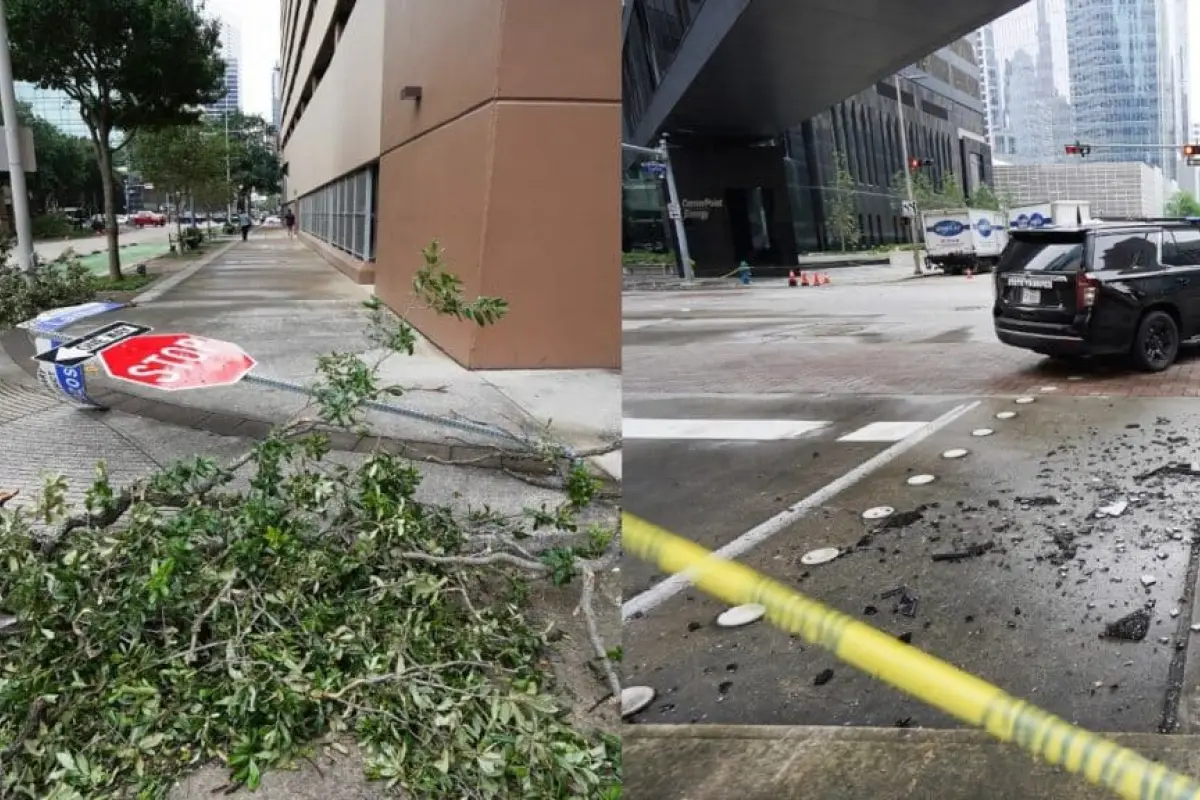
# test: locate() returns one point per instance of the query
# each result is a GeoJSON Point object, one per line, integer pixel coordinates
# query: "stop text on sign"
{"type": "Point", "coordinates": [171, 363]}
{"type": "Point", "coordinates": [175, 361]}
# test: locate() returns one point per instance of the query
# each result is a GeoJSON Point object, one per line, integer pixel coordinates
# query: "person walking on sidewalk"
{"type": "Point", "coordinates": [289, 219]}
{"type": "Point", "coordinates": [244, 221]}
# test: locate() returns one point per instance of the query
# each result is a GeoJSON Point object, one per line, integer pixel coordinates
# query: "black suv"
{"type": "Point", "coordinates": [1108, 288]}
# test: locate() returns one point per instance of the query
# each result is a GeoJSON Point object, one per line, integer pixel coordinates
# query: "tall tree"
{"type": "Point", "coordinates": [131, 65]}
{"type": "Point", "coordinates": [181, 160]}
{"type": "Point", "coordinates": [842, 214]}
{"type": "Point", "coordinates": [254, 159]}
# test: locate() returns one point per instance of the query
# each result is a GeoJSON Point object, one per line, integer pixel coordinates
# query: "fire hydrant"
{"type": "Point", "coordinates": [744, 273]}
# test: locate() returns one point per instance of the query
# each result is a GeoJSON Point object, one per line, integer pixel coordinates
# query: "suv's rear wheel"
{"type": "Point", "coordinates": [1156, 343]}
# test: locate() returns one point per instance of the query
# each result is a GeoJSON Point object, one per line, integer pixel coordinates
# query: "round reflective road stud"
{"type": "Point", "coordinates": [635, 699]}
{"type": "Point", "coordinates": [1006, 414]}
{"type": "Point", "coordinates": [920, 480]}
{"type": "Point", "coordinates": [738, 616]}
{"type": "Point", "coordinates": [1024, 401]}
{"type": "Point", "coordinates": [1049, 389]}
{"type": "Point", "coordinates": [878, 512]}
{"type": "Point", "coordinates": [982, 432]}
{"type": "Point", "coordinates": [955, 452]}
{"type": "Point", "coordinates": [821, 556]}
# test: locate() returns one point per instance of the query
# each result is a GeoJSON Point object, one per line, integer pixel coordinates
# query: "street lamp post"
{"type": "Point", "coordinates": [12, 139]}
{"type": "Point", "coordinates": [908, 184]}
{"type": "Point", "coordinates": [228, 172]}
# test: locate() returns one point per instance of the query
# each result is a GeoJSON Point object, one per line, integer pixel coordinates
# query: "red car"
{"type": "Point", "coordinates": [143, 218]}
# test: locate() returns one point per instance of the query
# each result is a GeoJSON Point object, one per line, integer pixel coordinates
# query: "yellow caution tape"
{"type": "Point", "coordinates": [926, 678]}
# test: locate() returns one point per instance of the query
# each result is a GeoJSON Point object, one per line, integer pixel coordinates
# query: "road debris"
{"type": "Point", "coordinates": [906, 604]}
{"type": "Point", "coordinates": [1113, 509]}
{"type": "Point", "coordinates": [1040, 500]}
{"type": "Point", "coordinates": [904, 518]}
{"type": "Point", "coordinates": [1186, 470]}
{"type": "Point", "coordinates": [823, 677]}
{"type": "Point", "coordinates": [1129, 628]}
{"type": "Point", "coordinates": [1149, 580]}
{"type": "Point", "coordinates": [6, 496]}
{"type": "Point", "coordinates": [972, 551]}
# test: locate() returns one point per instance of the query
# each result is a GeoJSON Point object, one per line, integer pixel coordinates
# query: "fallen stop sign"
{"type": "Point", "coordinates": [174, 361]}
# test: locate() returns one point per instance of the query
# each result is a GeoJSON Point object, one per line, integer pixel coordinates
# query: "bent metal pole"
{"type": "Point", "coordinates": [12, 140]}
{"type": "Point", "coordinates": [908, 186]}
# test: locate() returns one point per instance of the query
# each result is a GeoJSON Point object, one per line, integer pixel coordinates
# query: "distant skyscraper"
{"type": "Point", "coordinates": [276, 96]}
{"type": "Point", "coordinates": [1127, 79]}
{"type": "Point", "coordinates": [231, 48]}
{"type": "Point", "coordinates": [1023, 59]}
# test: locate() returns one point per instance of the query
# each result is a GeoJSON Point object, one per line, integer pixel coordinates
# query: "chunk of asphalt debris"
{"type": "Point", "coordinates": [906, 604]}
{"type": "Point", "coordinates": [974, 551]}
{"type": "Point", "coordinates": [1042, 500]}
{"type": "Point", "coordinates": [1180, 468]}
{"type": "Point", "coordinates": [905, 637]}
{"type": "Point", "coordinates": [1129, 628]}
{"type": "Point", "coordinates": [823, 677]}
{"type": "Point", "coordinates": [902, 519]}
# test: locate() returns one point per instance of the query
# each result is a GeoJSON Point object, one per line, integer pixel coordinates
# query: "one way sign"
{"type": "Point", "coordinates": [79, 350]}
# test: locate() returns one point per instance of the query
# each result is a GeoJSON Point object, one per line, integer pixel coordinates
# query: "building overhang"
{"type": "Point", "coordinates": [759, 67]}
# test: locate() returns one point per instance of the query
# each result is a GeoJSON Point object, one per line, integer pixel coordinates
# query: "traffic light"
{"type": "Point", "coordinates": [1078, 149]}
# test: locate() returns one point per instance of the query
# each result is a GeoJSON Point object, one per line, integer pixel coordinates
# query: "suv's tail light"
{"type": "Point", "coordinates": [1085, 290]}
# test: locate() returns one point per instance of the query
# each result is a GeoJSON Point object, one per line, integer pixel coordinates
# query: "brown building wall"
{"type": "Point", "coordinates": [511, 159]}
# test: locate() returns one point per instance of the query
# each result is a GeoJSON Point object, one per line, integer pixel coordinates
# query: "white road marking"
{"type": "Point", "coordinates": [658, 594]}
{"type": "Point", "coordinates": [753, 430]}
{"type": "Point", "coordinates": [883, 432]}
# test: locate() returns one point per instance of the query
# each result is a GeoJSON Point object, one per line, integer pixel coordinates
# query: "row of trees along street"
{"type": "Point", "coordinates": [842, 217]}
{"type": "Point", "coordinates": [141, 70]}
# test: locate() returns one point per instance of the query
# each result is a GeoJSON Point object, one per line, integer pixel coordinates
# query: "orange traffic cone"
{"type": "Point", "coordinates": [791, 277]}
{"type": "Point", "coordinates": [825, 279]}
{"type": "Point", "coordinates": [804, 279]}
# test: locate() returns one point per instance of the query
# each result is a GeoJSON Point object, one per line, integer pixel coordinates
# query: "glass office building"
{"type": "Point", "coordinates": [1127, 79]}
{"type": "Point", "coordinates": [53, 106]}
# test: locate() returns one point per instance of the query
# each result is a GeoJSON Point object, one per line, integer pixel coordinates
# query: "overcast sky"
{"type": "Point", "coordinates": [258, 21]}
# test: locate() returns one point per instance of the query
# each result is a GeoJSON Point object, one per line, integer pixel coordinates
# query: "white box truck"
{"type": "Point", "coordinates": [958, 239]}
{"type": "Point", "coordinates": [1050, 214]}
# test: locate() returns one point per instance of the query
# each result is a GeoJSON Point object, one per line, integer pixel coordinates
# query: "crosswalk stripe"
{"type": "Point", "coordinates": [757, 430]}
{"type": "Point", "coordinates": [883, 432]}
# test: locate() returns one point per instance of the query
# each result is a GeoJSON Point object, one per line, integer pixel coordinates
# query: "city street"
{"type": "Point", "coordinates": [767, 420]}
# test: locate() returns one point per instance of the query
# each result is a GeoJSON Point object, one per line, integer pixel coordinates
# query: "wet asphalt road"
{"type": "Point", "coordinates": [1028, 614]}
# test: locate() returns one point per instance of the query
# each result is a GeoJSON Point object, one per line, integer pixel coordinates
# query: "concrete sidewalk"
{"type": "Point", "coordinates": [763, 762]}
{"type": "Point", "coordinates": [286, 306]}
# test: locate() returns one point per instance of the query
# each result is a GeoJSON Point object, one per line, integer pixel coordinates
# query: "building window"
{"type": "Point", "coordinates": [342, 213]}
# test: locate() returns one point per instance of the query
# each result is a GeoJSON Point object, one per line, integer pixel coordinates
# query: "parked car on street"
{"type": "Point", "coordinates": [1108, 288]}
{"type": "Point", "coordinates": [147, 218]}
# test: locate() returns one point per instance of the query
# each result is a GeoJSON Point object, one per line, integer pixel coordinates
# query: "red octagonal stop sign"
{"type": "Point", "coordinates": [174, 361]}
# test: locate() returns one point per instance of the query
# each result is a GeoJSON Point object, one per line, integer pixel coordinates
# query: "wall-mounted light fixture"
{"type": "Point", "coordinates": [411, 93]}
